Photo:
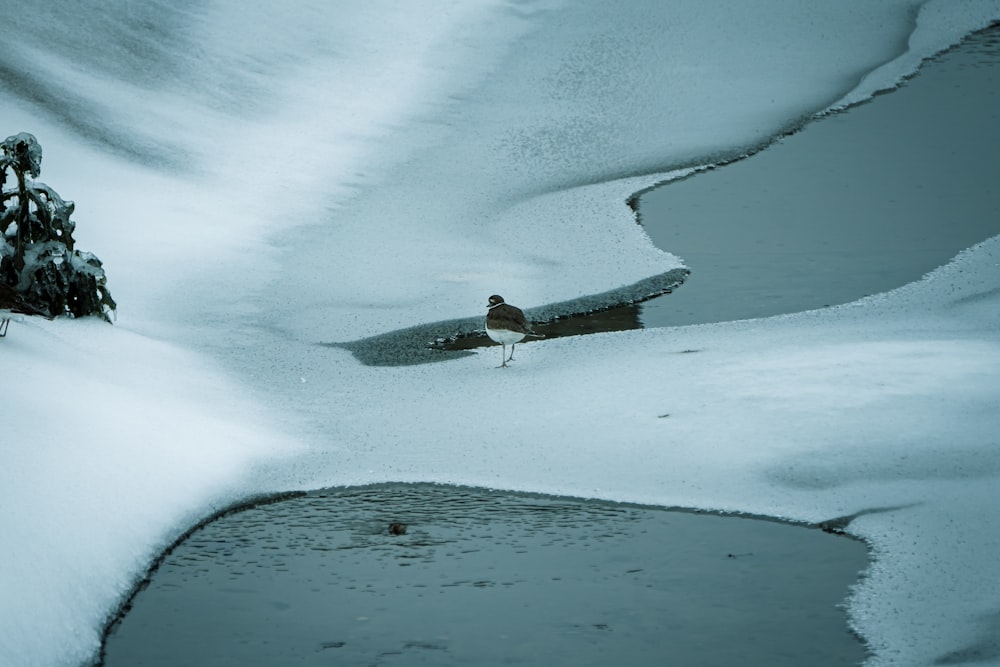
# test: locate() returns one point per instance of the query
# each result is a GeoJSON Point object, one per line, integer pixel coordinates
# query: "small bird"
{"type": "Point", "coordinates": [397, 528]}
{"type": "Point", "coordinates": [505, 324]}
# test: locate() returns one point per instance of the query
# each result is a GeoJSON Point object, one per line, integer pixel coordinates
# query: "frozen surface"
{"type": "Point", "coordinates": [259, 180]}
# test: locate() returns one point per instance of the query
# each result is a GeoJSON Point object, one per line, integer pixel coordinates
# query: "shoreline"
{"type": "Point", "coordinates": [799, 261]}
{"type": "Point", "coordinates": [490, 549]}
{"type": "Point", "coordinates": [860, 201]}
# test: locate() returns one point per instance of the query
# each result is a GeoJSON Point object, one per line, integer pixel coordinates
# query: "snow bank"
{"type": "Point", "coordinates": [885, 409]}
{"type": "Point", "coordinates": [111, 443]}
{"type": "Point", "coordinates": [940, 24]}
{"type": "Point", "coordinates": [259, 181]}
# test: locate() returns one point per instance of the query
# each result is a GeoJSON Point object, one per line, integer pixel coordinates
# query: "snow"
{"type": "Point", "coordinates": [258, 181]}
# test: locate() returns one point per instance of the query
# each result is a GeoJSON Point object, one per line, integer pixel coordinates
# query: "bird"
{"type": "Point", "coordinates": [506, 325]}
{"type": "Point", "coordinates": [397, 528]}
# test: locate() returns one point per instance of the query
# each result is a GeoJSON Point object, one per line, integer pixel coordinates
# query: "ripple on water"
{"type": "Point", "coordinates": [484, 577]}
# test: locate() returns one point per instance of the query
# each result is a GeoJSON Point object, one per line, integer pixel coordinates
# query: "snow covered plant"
{"type": "Point", "coordinates": [37, 259]}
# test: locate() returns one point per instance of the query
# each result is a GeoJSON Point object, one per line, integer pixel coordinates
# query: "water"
{"type": "Point", "coordinates": [857, 203]}
{"type": "Point", "coordinates": [491, 578]}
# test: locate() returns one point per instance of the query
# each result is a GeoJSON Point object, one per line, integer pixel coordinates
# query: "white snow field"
{"type": "Point", "coordinates": [260, 178]}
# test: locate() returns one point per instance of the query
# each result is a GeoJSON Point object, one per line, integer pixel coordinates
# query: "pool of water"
{"type": "Point", "coordinates": [856, 203]}
{"type": "Point", "coordinates": [491, 578]}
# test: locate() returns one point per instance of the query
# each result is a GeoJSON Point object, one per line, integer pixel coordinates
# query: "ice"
{"type": "Point", "coordinates": [259, 179]}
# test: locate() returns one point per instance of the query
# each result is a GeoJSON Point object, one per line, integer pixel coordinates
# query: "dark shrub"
{"type": "Point", "coordinates": [38, 262]}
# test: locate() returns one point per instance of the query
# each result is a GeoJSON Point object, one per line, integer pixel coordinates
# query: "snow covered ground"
{"type": "Point", "coordinates": [259, 180]}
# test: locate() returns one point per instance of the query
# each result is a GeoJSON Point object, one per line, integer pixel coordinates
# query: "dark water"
{"type": "Point", "coordinates": [857, 203]}
{"type": "Point", "coordinates": [491, 578]}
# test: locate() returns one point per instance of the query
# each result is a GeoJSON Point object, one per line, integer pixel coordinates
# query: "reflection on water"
{"type": "Point", "coordinates": [490, 578]}
{"type": "Point", "coordinates": [449, 339]}
{"type": "Point", "coordinates": [622, 318]}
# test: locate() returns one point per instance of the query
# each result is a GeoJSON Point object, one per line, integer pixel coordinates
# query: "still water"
{"type": "Point", "coordinates": [857, 203]}
{"type": "Point", "coordinates": [491, 578]}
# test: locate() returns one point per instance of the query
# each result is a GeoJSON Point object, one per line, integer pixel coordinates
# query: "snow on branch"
{"type": "Point", "coordinates": [41, 272]}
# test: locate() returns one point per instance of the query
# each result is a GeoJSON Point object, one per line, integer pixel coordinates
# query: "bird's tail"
{"type": "Point", "coordinates": [535, 335]}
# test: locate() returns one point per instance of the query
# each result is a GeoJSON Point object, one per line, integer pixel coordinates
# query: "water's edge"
{"type": "Point", "coordinates": [837, 526]}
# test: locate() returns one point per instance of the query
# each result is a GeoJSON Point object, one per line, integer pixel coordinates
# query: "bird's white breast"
{"type": "Point", "coordinates": [504, 336]}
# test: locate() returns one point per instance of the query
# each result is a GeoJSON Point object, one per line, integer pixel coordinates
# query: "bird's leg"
{"type": "Point", "coordinates": [503, 353]}
{"type": "Point", "coordinates": [511, 357]}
